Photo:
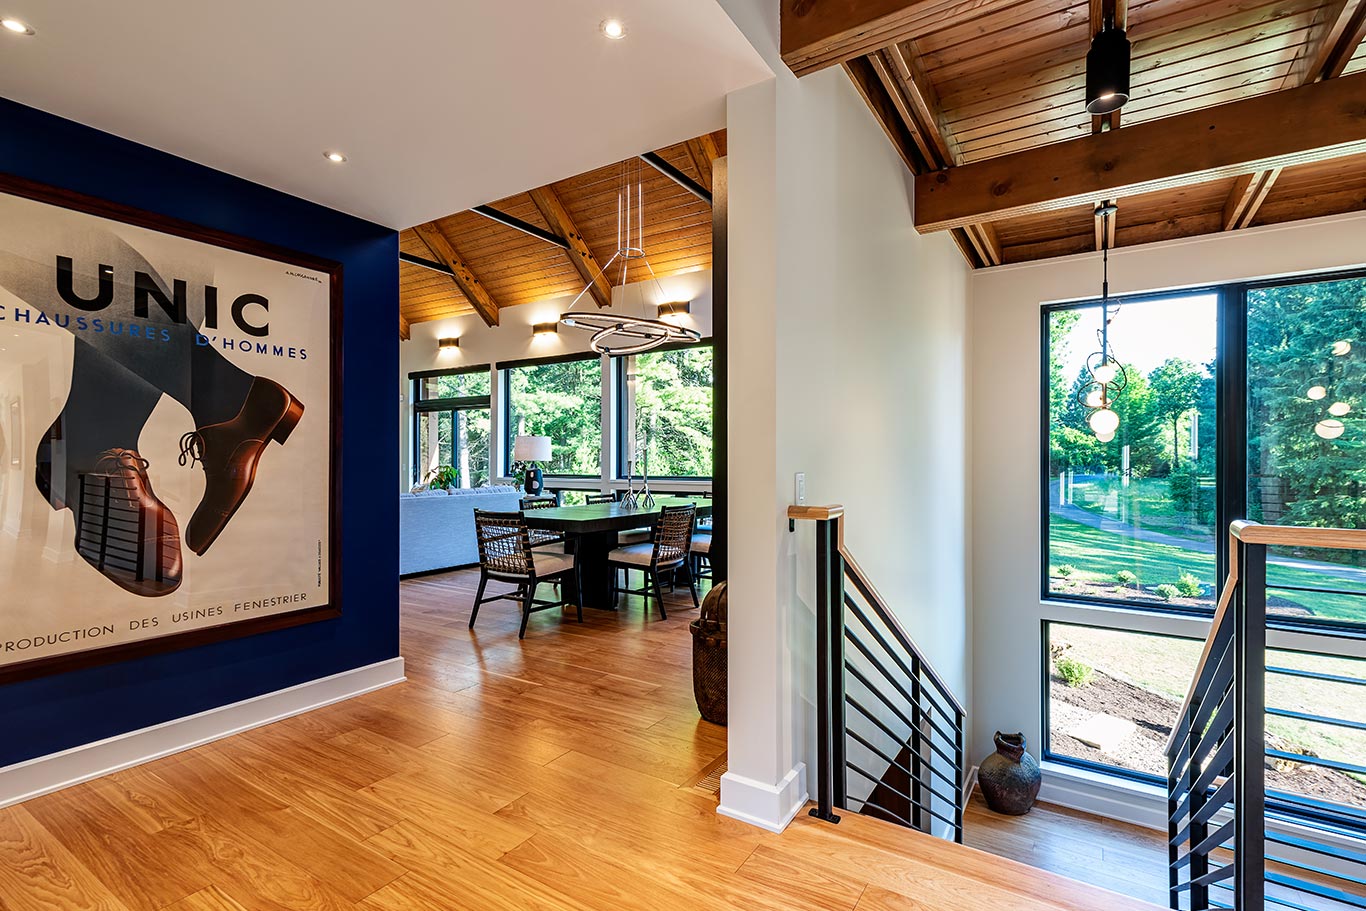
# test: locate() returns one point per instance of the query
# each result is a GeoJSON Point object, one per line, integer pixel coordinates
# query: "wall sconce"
{"type": "Point", "coordinates": [448, 343]}
{"type": "Point", "coordinates": [540, 330]}
{"type": "Point", "coordinates": [674, 308]}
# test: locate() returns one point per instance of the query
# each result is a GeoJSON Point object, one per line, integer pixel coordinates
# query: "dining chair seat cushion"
{"type": "Point", "coordinates": [634, 536]}
{"type": "Point", "coordinates": [549, 563]}
{"type": "Point", "coordinates": [634, 554]}
{"type": "Point", "coordinates": [556, 546]}
{"type": "Point", "coordinates": [701, 544]}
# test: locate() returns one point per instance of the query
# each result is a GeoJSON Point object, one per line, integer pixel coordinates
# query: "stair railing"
{"type": "Point", "coordinates": [880, 699]}
{"type": "Point", "coordinates": [1217, 835]}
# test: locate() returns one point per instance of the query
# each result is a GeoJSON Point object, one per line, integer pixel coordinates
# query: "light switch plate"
{"type": "Point", "coordinates": [800, 480]}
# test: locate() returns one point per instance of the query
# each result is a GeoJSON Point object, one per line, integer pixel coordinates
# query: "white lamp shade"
{"type": "Point", "coordinates": [1104, 421]}
{"type": "Point", "coordinates": [531, 449]}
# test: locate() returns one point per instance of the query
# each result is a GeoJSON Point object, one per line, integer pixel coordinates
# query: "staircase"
{"type": "Point", "coordinates": [1232, 843]}
{"type": "Point", "coordinates": [880, 704]}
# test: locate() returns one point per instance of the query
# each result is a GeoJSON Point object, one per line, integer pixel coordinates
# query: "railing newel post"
{"type": "Point", "coordinates": [839, 769]}
{"type": "Point", "coordinates": [1249, 757]}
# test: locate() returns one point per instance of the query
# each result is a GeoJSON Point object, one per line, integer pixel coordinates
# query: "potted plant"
{"type": "Point", "coordinates": [443, 477]}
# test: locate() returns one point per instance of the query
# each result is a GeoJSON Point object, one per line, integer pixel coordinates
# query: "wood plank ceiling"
{"type": "Point", "coordinates": [504, 266]}
{"type": "Point", "coordinates": [957, 83]}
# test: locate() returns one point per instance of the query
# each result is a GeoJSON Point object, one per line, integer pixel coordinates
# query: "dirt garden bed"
{"type": "Point", "coordinates": [1144, 750]}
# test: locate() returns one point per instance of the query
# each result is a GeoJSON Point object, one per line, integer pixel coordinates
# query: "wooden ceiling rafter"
{"type": "Point", "coordinates": [561, 222]}
{"type": "Point", "coordinates": [547, 243]}
{"type": "Point", "coordinates": [703, 151]}
{"type": "Point", "coordinates": [444, 252]}
{"type": "Point", "coordinates": [1315, 123]}
{"type": "Point", "coordinates": [1340, 32]}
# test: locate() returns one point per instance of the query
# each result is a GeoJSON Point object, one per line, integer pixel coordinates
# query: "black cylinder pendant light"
{"type": "Point", "coordinates": [1107, 71]}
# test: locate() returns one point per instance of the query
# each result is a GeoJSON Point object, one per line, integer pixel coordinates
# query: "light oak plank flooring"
{"type": "Point", "coordinates": [554, 773]}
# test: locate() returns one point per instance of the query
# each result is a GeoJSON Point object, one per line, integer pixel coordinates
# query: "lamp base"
{"type": "Point", "coordinates": [533, 482]}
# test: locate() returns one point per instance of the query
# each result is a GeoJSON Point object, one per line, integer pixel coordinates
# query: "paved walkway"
{"type": "Point", "coordinates": [1102, 522]}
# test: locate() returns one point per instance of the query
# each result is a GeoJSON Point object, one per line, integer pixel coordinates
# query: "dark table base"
{"type": "Point", "coordinates": [592, 550]}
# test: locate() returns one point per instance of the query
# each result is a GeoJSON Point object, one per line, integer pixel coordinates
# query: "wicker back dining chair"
{"type": "Point", "coordinates": [506, 555]}
{"type": "Point", "coordinates": [666, 554]}
{"type": "Point", "coordinates": [539, 536]}
{"type": "Point", "coordinates": [596, 499]}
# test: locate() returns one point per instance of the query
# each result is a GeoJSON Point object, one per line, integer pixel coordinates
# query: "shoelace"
{"type": "Point", "coordinates": [191, 449]}
{"type": "Point", "coordinates": [121, 458]}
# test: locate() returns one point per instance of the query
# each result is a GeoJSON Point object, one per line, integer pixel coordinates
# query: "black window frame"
{"type": "Point", "coordinates": [423, 406]}
{"type": "Point", "coordinates": [1231, 439]}
{"type": "Point", "coordinates": [619, 412]}
{"type": "Point", "coordinates": [504, 389]}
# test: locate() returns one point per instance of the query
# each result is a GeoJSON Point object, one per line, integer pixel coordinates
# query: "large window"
{"type": "Point", "coordinates": [1134, 519]}
{"type": "Point", "coordinates": [560, 398]}
{"type": "Point", "coordinates": [665, 399]}
{"type": "Point", "coordinates": [451, 425]}
{"type": "Point", "coordinates": [1113, 696]}
{"type": "Point", "coordinates": [1306, 462]}
{"type": "Point", "coordinates": [1142, 519]}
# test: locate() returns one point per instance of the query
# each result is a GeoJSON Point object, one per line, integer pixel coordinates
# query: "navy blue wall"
{"type": "Point", "coordinates": [53, 713]}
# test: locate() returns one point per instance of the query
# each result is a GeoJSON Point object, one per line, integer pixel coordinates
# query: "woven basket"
{"type": "Point", "coordinates": [709, 656]}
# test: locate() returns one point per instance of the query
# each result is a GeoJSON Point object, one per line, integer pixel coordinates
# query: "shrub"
{"type": "Point", "coordinates": [1189, 586]}
{"type": "Point", "coordinates": [1126, 579]}
{"type": "Point", "coordinates": [1065, 570]}
{"type": "Point", "coordinates": [1074, 672]}
{"type": "Point", "coordinates": [1166, 591]}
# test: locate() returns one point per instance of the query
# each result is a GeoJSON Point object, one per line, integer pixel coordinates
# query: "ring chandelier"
{"type": "Point", "coordinates": [618, 333]}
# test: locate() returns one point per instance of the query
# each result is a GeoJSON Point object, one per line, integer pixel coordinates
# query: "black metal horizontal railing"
{"type": "Point", "coordinates": [1221, 851]}
{"type": "Point", "coordinates": [886, 719]}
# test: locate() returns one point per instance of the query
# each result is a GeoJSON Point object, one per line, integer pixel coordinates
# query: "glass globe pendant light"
{"type": "Point", "coordinates": [1108, 378]}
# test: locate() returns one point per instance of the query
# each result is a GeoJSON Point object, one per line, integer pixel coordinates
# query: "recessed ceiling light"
{"type": "Point", "coordinates": [613, 28]}
{"type": "Point", "coordinates": [16, 26]}
{"type": "Point", "coordinates": [334, 157]}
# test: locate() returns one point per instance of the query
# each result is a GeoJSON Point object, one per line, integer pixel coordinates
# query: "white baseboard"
{"type": "Point", "coordinates": [1104, 795]}
{"type": "Point", "coordinates": [767, 806]}
{"type": "Point", "coordinates": [969, 784]}
{"type": "Point", "coordinates": [44, 774]}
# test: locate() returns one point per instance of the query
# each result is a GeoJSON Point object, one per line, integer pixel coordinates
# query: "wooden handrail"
{"type": "Point", "coordinates": [874, 597]}
{"type": "Point", "coordinates": [1270, 535]}
{"type": "Point", "coordinates": [1298, 536]}
{"type": "Point", "coordinates": [879, 605]}
{"type": "Point", "coordinates": [1221, 612]}
{"type": "Point", "coordinates": [815, 513]}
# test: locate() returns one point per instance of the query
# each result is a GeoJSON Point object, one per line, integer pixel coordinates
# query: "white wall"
{"type": "Point", "coordinates": [1005, 367]}
{"type": "Point", "coordinates": [512, 340]}
{"type": "Point", "coordinates": [847, 362]}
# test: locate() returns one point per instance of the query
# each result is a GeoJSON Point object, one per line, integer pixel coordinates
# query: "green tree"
{"type": "Point", "coordinates": [1175, 386]}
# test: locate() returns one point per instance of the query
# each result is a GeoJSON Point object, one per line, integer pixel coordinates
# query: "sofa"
{"type": "Point", "coordinates": [436, 527]}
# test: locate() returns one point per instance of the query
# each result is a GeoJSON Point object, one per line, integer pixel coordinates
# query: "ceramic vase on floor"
{"type": "Point", "coordinates": [1010, 778]}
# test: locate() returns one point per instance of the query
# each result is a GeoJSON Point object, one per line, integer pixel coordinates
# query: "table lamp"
{"type": "Point", "coordinates": [532, 449]}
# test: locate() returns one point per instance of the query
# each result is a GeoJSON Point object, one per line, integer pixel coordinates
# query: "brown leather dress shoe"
{"type": "Point", "coordinates": [230, 452]}
{"type": "Point", "coordinates": [124, 530]}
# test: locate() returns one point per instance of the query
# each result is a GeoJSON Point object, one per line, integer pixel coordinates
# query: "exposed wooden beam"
{"type": "Point", "coordinates": [821, 33]}
{"type": "Point", "coordinates": [1337, 33]}
{"type": "Point", "coordinates": [1249, 192]}
{"type": "Point", "coordinates": [923, 102]}
{"type": "Point", "coordinates": [1316, 122]}
{"type": "Point", "coordinates": [405, 331]}
{"type": "Point", "coordinates": [703, 151]}
{"type": "Point", "coordinates": [984, 241]}
{"type": "Point", "coordinates": [863, 75]}
{"type": "Point", "coordinates": [440, 246]}
{"type": "Point", "coordinates": [557, 216]}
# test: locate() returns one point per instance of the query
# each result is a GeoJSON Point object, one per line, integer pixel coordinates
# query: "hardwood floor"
{"type": "Point", "coordinates": [553, 773]}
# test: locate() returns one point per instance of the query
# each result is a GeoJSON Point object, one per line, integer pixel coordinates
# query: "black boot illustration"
{"type": "Point", "coordinates": [124, 530]}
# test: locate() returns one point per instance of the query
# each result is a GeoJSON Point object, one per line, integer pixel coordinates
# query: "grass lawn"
{"type": "Point", "coordinates": [1098, 555]}
{"type": "Point", "coordinates": [1146, 502]}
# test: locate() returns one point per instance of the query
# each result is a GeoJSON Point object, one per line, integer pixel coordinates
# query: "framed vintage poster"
{"type": "Point", "coordinates": [174, 394]}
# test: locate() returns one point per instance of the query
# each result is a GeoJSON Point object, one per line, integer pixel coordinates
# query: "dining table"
{"type": "Point", "coordinates": [591, 533]}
